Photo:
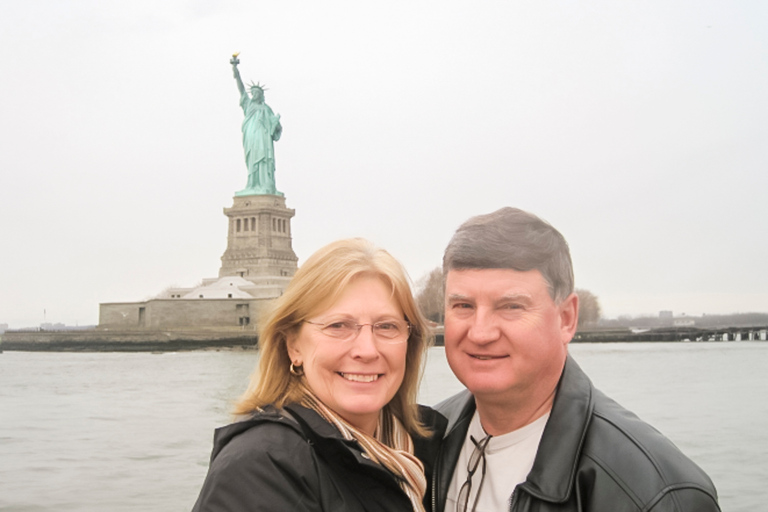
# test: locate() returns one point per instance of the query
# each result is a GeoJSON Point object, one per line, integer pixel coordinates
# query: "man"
{"type": "Point", "coordinates": [531, 433]}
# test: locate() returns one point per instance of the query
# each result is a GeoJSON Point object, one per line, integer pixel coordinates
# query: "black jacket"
{"type": "Point", "coordinates": [294, 460]}
{"type": "Point", "coordinates": [594, 456]}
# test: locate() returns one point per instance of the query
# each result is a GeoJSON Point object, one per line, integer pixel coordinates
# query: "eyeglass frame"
{"type": "Point", "coordinates": [479, 452]}
{"type": "Point", "coordinates": [390, 341]}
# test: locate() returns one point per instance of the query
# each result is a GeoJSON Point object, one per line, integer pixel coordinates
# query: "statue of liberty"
{"type": "Point", "coordinates": [260, 128]}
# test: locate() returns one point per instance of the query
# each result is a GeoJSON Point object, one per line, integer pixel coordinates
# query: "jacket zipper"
{"type": "Point", "coordinates": [512, 500]}
{"type": "Point", "coordinates": [435, 472]}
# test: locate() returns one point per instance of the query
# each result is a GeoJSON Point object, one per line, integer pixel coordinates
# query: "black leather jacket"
{"type": "Point", "coordinates": [294, 460]}
{"type": "Point", "coordinates": [594, 456]}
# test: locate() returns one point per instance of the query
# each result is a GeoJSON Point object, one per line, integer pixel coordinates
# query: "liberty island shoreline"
{"type": "Point", "coordinates": [97, 340]}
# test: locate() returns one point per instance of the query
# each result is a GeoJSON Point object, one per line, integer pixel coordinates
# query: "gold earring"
{"type": "Point", "coordinates": [296, 371]}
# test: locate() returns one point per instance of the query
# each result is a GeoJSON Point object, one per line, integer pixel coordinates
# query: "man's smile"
{"type": "Point", "coordinates": [484, 357]}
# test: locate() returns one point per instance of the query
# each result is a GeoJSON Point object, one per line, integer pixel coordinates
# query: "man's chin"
{"type": "Point", "coordinates": [486, 386]}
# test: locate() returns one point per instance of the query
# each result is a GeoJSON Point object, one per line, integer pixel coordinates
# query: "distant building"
{"type": "Point", "coordinates": [684, 322]}
{"type": "Point", "coordinates": [666, 318]}
{"type": "Point", "coordinates": [255, 269]}
{"type": "Point", "coordinates": [48, 326]}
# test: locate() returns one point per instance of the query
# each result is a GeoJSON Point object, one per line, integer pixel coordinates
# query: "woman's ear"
{"type": "Point", "coordinates": [294, 352]}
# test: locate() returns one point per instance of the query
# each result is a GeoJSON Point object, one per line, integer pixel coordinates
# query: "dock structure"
{"type": "Point", "coordinates": [686, 334]}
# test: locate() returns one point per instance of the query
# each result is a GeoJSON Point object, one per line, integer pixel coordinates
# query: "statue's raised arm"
{"type": "Point", "coordinates": [260, 128]}
{"type": "Point", "coordinates": [235, 61]}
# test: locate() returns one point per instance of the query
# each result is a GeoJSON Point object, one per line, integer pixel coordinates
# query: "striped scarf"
{"type": "Point", "coordinates": [390, 446]}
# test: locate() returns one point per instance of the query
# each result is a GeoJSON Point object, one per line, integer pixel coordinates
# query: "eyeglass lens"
{"type": "Point", "coordinates": [391, 331]}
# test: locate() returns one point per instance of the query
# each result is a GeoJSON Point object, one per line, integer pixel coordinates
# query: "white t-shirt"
{"type": "Point", "coordinates": [509, 459]}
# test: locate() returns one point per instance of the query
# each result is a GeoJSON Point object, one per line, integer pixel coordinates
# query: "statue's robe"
{"type": "Point", "coordinates": [260, 128]}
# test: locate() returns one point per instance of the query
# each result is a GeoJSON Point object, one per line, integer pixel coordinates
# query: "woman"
{"type": "Point", "coordinates": [331, 415]}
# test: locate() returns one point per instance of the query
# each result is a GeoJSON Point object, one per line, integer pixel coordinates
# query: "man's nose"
{"type": "Point", "coordinates": [483, 328]}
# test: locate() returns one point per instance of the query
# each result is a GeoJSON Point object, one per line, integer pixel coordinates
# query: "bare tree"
{"type": "Point", "coordinates": [431, 295]}
{"type": "Point", "coordinates": [589, 308]}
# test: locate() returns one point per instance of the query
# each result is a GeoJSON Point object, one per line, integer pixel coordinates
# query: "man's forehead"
{"type": "Point", "coordinates": [497, 282]}
{"type": "Point", "coordinates": [493, 274]}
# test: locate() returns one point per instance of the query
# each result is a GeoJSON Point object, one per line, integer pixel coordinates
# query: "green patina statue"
{"type": "Point", "coordinates": [260, 128]}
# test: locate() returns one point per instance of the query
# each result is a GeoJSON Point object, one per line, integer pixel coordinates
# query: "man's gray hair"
{"type": "Point", "coordinates": [511, 238]}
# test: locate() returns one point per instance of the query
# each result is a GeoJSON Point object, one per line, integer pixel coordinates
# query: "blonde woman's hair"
{"type": "Point", "coordinates": [316, 286]}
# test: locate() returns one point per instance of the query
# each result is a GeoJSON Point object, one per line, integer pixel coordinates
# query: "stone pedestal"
{"type": "Point", "coordinates": [259, 242]}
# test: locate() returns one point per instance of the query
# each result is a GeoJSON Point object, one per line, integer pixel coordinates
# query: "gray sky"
{"type": "Point", "coordinates": [637, 128]}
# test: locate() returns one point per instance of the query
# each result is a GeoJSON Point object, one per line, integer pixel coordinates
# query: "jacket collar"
{"type": "Point", "coordinates": [458, 411]}
{"type": "Point", "coordinates": [331, 444]}
{"type": "Point", "coordinates": [223, 435]}
{"type": "Point", "coordinates": [554, 468]}
{"type": "Point", "coordinates": [305, 421]}
{"type": "Point", "coordinates": [325, 439]}
{"type": "Point", "coordinates": [557, 458]}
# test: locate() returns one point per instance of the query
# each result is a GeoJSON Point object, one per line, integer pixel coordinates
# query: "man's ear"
{"type": "Point", "coordinates": [569, 317]}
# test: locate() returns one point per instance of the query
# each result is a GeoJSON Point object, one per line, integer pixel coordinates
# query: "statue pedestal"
{"type": "Point", "coordinates": [259, 242]}
{"type": "Point", "coordinates": [254, 192]}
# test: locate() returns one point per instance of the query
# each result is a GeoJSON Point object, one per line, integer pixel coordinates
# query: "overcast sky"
{"type": "Point", "coordinates": [637, 128]}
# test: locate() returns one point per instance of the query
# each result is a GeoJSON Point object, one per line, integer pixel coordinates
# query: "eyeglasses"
{"type": "Point", "coordinates": [478, 454]}
{"type": "Point", "coordinates": [391, 331]}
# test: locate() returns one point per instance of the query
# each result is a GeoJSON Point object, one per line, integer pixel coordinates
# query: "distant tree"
{"type": "Point", "coordinates": [431, 295]}
{"type": "Point", "coordinates": [589, 308]}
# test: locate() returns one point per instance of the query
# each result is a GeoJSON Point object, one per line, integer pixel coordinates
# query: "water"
{"type": "Point", "coordinates": [121, 431]}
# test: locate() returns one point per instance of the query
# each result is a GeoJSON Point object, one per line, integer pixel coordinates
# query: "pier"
{"type": "Point", "coordinates": [684, 334]}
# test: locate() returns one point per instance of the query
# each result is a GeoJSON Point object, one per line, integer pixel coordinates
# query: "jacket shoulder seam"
{"type": "Point", "coordinates": [672, 489]}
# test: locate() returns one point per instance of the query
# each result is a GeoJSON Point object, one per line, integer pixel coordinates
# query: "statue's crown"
{"type": "Point", "coordinates": [257, 85]}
